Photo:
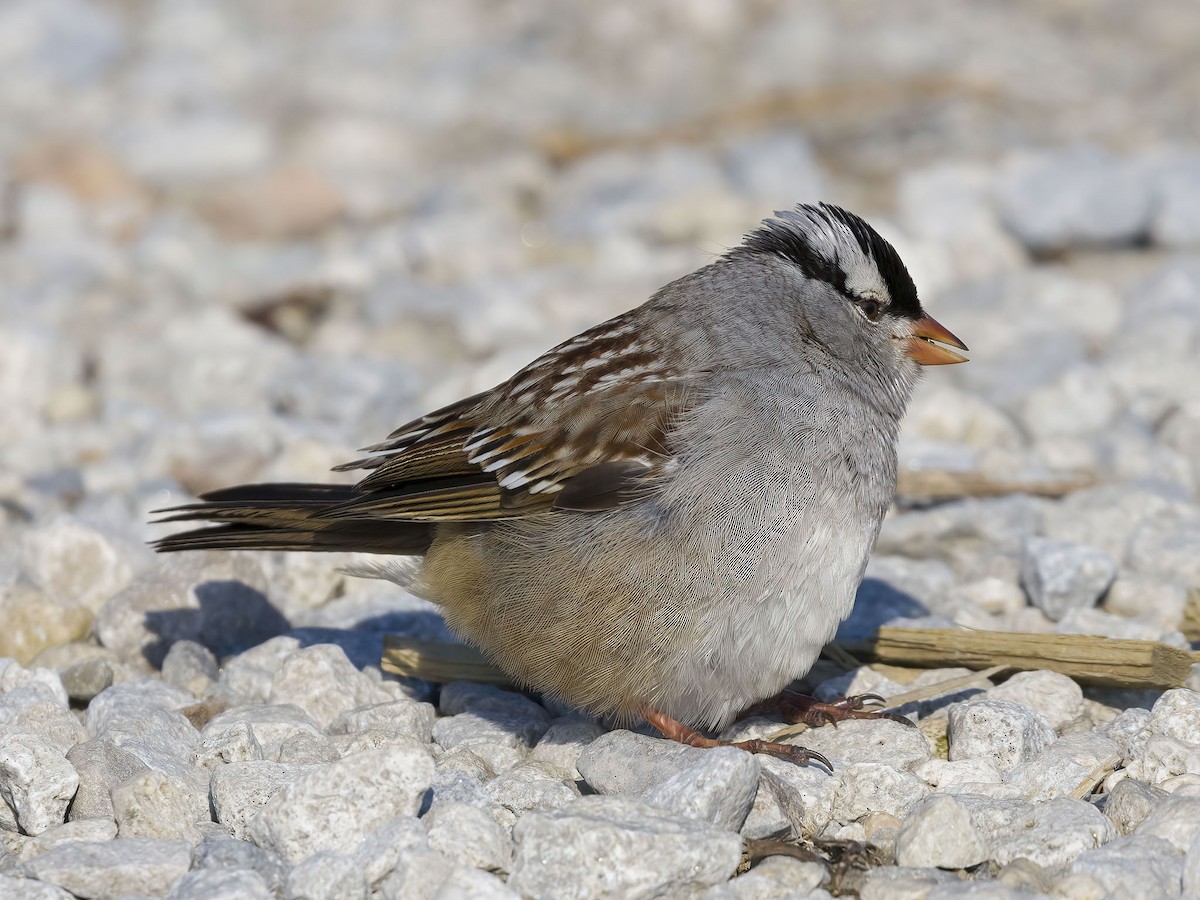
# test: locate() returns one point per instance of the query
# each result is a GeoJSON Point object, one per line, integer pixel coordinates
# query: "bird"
{"type": "Point", "coordinates": [666, 517]}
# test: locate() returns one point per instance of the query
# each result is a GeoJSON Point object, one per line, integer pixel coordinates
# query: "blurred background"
{"type": "Point", "coordinates": [239, 239]}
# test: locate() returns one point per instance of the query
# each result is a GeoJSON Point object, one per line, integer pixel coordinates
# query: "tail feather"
{"type": "Point", "coordinates": [289, 517]}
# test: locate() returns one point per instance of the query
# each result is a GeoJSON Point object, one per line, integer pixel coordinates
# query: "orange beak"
{"type": "Point", "coordinates": [921, 347]}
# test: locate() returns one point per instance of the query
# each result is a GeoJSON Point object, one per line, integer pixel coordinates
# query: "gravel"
{"type": "Point", "coordinates": [239, 240]}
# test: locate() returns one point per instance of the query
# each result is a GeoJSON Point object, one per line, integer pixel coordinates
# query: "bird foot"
{"type": "Point", "coordinates": [798, 708]}
{"type": "Point", "coordinates": [677, 731]}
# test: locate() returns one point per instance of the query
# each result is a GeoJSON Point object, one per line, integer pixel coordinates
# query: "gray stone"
{"type": "Point", "coordinates": [129, 866]}
{"type": "Point", "coordinates": [1133, 866]}
{"type": "Point", "coordinates": [1000, 731]}
{"type": "Point", "coordinates": [101, 766]}
{"type": "Point", "coordinates": [381, 851]}
{"type": "Point", "coordinates": [905, 883]}
{"type": "Point", "coordinates": [335, 806]}
{"type": "Point", "coordinates": [1176, 220]}
{"type": "Point", "coordinates": [1059, 576]}
{"type": "Point", "coordinates": [405, 717]}
{"type": "Point", "coordinates": [326, 875]}
{"type": "Point", "coordinates": [190, 666]}
{"type": "Point", "coordinates": [1176, 819]}
{"type": "Point", "coordinates": [1055, 696]}
{"type": "Point", "coordinates": [427, 873]}
{"type": "Point", "coordinates": [478, 713]}
{"type": "Point", "coordinates": [1070, 763]}
{"type": "Point", "coordinates": [864, 788]}
{"type": "Point", "coordinates": [25, 889]}
{"type": "Point", "coordinates": [1129, 729]}
{"type": "Point", "coordinates": [1077, 197]}
{"type": "Point", "coordinates": [322, 682]}
{"type": "Point", "coordinates": [718, 788]}
{"type": "Point", "coordinates": [804, 793]}
{"type": "Point", "coordinates": [80, 831]}
{"type": "Point", "coordinates": [469, 834]}
{"type": "Point", "coordinates": [1131, 802]}
{"type": "Point", "coordinates": [45, 717]}
{"type": "Point", "coordinates": [239, 790]}
{"type": "Point", "coordinates": [151, 805]}
{"type": "Point", "coordinates": [946, 830]}
{"type": "Point", "coordinates": [559, 747]}
{"type": "Point", "coordinates": [1053, 833]}
{"type": "Point", "coordinates": [229, 853]}
{"type": "Point", "coordinates": [1159, 758]}
{"type": "Point", "coordinates": [248, 675]}
{"type": "Point", "coordinates": [645, 851]}
{"type": "Point", "coordinates": [622, 762]}
{"type": "Point", "coordinates": [526, 787]}
{"type": "Point", "coordinates": [235, 743]}
{"type": "Point", "coordinates": [776, 876]}
{"type": "Point", "coordinates": [1191, 869]}
{"type": "Point", "coordinates": [35, 780]}
{"type": "Point", "coordinates": [74, 564]}
{"type": "Point", "coordinates": [87, 678]}
{"type": "Point", "coordinates": [867, 741]}
{"type": "Point", "coordinates": [221, 884]}
{"type": "Point", "coordinates": [940, 832]}
{"type": "Point", "coordinates": [963, 776]}
{"type": "Point", "coordinates": [270, 726]}
{"type": "Point", "coordinates": [1177, 715]}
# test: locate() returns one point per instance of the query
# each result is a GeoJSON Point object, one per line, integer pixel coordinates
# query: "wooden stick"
{"type": "Point", "coordinates": [938, 484]}
{"type": "Point", "coordinates": [1086, 658]}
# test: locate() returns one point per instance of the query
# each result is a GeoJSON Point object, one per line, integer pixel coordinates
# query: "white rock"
{"type": "Point", "coordinates": [618, 847]}
{"type": "Point", "coordinates": [322, 682]}
{"type": "Point", "coordinates": [221, 884]}
{"type": "Point", "coordinates": [999, 731]}
{"type": "Point", "coordinates": [940, 832]}
{"type": "Point", "coordinates": [864, 788]}
{"type": "Point", "coordinates": [74, 563]}
{"type": "Point", "coordinates": [470, 835]}
{"type": "Point", "coordinates": [335, 806]}
{"type": "Point", "coordinates": [1176, 819]}
{"type": "Point", "coordinates": [124, 867]}
{"type": "Point", "coordinates": [1059, 576]}
{"type": "Point", "coordinates": [1160, 757]}
{"type": "Point", "coordinates": [718, 788]}
{"type": "Point", "coordinates": [151, 805]}
{"type": "Point", "coordinates": [239, 790]}
{"type": "Point", "coordinates": [1069, 763]}
{"type": "Point", "coordinates": [381, 850]}
{"type": "Point", "coordinates": [36, 781]}
{"type": "Point", "coordinates": [324, 875]}
{"type": "Point", "coordinates": [269, 726]}
{"type": "Point", "coordinates": [407, 717]}
{"type": "Point", "coordinates": [1055, 696]}
{"type": "Point", "coordinates": [562, 743]}
{"type": "Point", "coordinates": [622, 762]}
{"type": "Point", "coordinates": [1137, 865]}
{"type": "Point", "coordinates": [1177, 715]}
{"type": "Point", "coordinates": [101, 766]}
{"type": "Point", "coordinates": [1130, 802]}
{"type": "Point", "coordinates": [526, 787]}
{"type": "Point", "coordinates": [868, 740]}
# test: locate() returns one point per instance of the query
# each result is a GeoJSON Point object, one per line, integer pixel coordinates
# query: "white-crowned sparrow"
{"type": "Point", "coordinates": [667, 515]}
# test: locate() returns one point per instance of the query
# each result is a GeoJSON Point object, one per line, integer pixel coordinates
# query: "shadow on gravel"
{"type": "Point", "coordinates": [877, 603]}
{"type": "Point", "coordinates": [231, 617]}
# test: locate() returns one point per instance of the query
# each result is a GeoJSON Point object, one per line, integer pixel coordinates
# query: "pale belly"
{"type": "Point", "coordinates": [748, 651]}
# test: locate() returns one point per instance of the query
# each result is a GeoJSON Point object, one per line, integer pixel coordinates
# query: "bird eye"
{"type": "Point", "coordinates": [871, 307]}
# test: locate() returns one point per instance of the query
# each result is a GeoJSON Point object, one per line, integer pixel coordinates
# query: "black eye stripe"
{"type": "Point", "coordinates": [791, 237]}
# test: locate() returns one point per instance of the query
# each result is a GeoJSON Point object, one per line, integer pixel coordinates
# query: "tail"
{"type": "Point", "coordinates": [289, 517]}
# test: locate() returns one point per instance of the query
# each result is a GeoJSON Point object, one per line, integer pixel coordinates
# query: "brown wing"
{"type": "Point", "coordinates": [583, 427]}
